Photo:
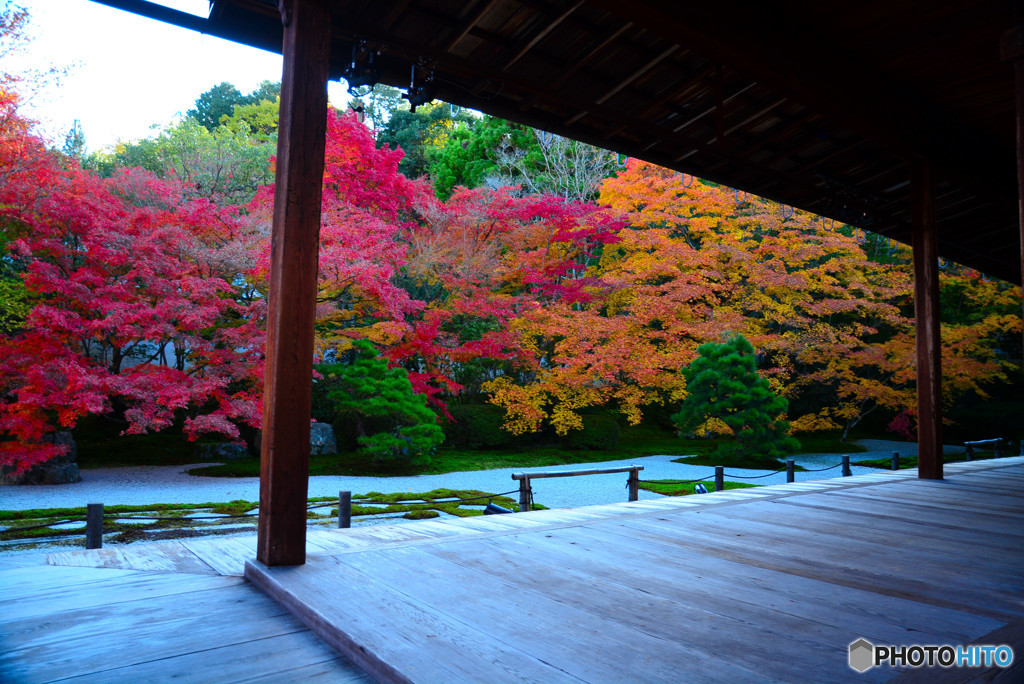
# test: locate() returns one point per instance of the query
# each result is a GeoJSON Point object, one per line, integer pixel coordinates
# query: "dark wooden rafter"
{"type": "Point", "coordinates": [755, 116]}
{"type": "Point", "coordinates": [712, 109]}
{"type": "Point", "coordinates": [585, 59]}
{"type": "Point", "coordinates": [396, 13]}
{"type": "Point", "coordinates": [470, 24]}
{"type": "Point", "coordinates": [540, 35]}
{"type": "Point", "coordinates": [637, 74]}
{"type": "Point", "coordinates": [604, 116]}
{"type": "Point", "coordinates": [759, 39]}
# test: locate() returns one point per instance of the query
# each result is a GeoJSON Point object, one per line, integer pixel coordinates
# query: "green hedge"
{"type": "Point", "coordinates": [598, 433]}
{"type": "Point", "coordinates": [477, 426]}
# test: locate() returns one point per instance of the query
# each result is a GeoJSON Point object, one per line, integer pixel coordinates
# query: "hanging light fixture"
{"type": "Point", "coordinates": [422, 91]}
{"type": "Point", "coordinates": [361, 73]}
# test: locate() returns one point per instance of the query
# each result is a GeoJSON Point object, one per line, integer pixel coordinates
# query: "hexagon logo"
{"type": "Point", "coordinates": [862, 655]}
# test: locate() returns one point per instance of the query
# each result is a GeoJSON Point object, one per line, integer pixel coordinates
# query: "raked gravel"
{"type": "Point", "coordinates": [171, 484]}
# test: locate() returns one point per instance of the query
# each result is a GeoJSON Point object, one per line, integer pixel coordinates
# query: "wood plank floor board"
{"type": "Point", "coordinates": [878, 615]}
{"type": "Point", "coordinates": [924, 530]}
{"type": "Point", "coordinates": [1003, 572]}
{"type": "Point", "coordinates": [965, 498]}
{"type": "Point", "coordinates": [119, 589]}
{"type": "Point", "coordinates": [560, 515]}
{"type": "Point", "coordinates": [958, 497]}
{"type": "Point", "coordinates": [925, 518]}
{"type": "Point", "coordinates": [996, 477]}
{"type": "Point", "coordinates": [594, 650]}
{"type": "Point", "coordinates": [331, 540]}
{"type": "Point", "coordinates": [988, 480]}
{"type": "Point", "coordinates": [983, 480]}
{"type": "Point", "coordinates": [477, 523]}
{"type": "Point", "coordinates": [340, 670]}
{"type": "Point", "coordinates": [841, 549]}
{"type": "Point", "coordinates": [66, 645]}
{"type": "Point", "coordinates": [145, 619]}
{"type": "Point", "coordinates": [900, 576]}
{"type": "Point", "coordinates": [986, 507]}
{"type": "Point", "coordinates": [190, 634]}
{"type": "Point", "coordinates": [449, 527]}
{"type": "Point", "coordinates": [165, 557]}
{"type": "Point", "coordinates": [225, 556]}
{"type": "Point", "coordinates": [861, 526]}
{"type": "Point", "coordinates": [913, 509]}
{"type": "Point", "coordinates": [839, 542]}
{"type": "Point", "coordinates": [26, 583]}
{"type": "Point", "coordinates": [268, 659]}
{"type": "Point", "coordinates": [362, 627]}
{"type": "Point", "coordinates": [515, 520]}
{"type": "Point", "coordinates": [670, 609]}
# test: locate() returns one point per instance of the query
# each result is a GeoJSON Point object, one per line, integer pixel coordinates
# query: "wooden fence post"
{"type": "Point", "coordinates": [846, 467]}
{"type": "Point", "coordinates": [344, 510]}
{"type": "Point", "coordinates": [790, 470]}
{"type": "Point", "coordinates": [524, 494]}
{"type": "Point", "coordinates": [895, 460]}
{"type": "Point", "coordinates": [634, 485]}
{"type": "Point", "coordinates": [719, 478]}
{"type": "Point", "coordinates": [94, 526]}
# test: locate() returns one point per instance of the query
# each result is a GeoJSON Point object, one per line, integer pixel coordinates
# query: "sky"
{"type": "Point", "coordinates": [129, 73]}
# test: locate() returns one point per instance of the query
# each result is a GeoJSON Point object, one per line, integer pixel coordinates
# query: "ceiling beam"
{"type": "Point", "coordinates": [542, 33]}
{"type": "Point", "coordinates": [760, 39]}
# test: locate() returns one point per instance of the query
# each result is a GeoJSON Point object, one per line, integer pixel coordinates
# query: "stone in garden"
{"type": "Point", "coordinates": [58, 470]}
{"type": "Point", "coordinates": [222, 451]}
{"type": "Point", "coordinates": [321, 439]}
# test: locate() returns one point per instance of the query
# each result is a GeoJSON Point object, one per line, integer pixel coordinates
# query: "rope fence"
{"type": "Point", "coordinates": [720, 474]}
{"type": "Point", "coordinates": [681, 482]}
{"type": "Point", "coordinates": [821, 470]}
{"type": "Point", "coordinates": [753, 477]}
{"type": "Point", "coordinates": [95, 514]}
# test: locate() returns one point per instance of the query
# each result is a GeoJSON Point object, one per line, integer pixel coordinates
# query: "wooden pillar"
{"type": "Point", "coordinates": [926, 319]}
{"type": "Point", "coordinates": [284, 468]}
{"type": "Point", "coordinates": [1012, 50]}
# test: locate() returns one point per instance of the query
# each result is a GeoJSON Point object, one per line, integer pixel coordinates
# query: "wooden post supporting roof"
{"type": "Point", "coordinates": [926, 318]}
{"type": "Point", "coordinates": [284, 469]}
{"type": "Point", "coordinates": [1013, 50]}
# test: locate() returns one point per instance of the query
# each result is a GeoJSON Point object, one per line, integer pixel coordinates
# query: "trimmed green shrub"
{"type": "Point", "coordinates": [599, 433]}
{"type": "Point", "coordinates": [477, 426]}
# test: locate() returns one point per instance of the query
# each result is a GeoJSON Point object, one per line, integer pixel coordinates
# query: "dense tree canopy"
{"type": "Point", "coordinates": [546, 277]}
{"type": "Point", "coordinates": [221, 100]}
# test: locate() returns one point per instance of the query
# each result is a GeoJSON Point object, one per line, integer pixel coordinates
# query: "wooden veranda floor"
{"type": "Point", "coordinates": [769, 584]}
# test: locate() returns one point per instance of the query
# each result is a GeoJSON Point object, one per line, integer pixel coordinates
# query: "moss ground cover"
{"type": "Point", "coordinates": [672, 488]}
{"type": "Point", "coordinates": [170, 521]}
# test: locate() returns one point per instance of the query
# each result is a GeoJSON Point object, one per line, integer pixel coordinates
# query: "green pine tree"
{"type": "Point", "coordinates": [393, 425]}
{"type": "Point", "coordinates": [723, 383]}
